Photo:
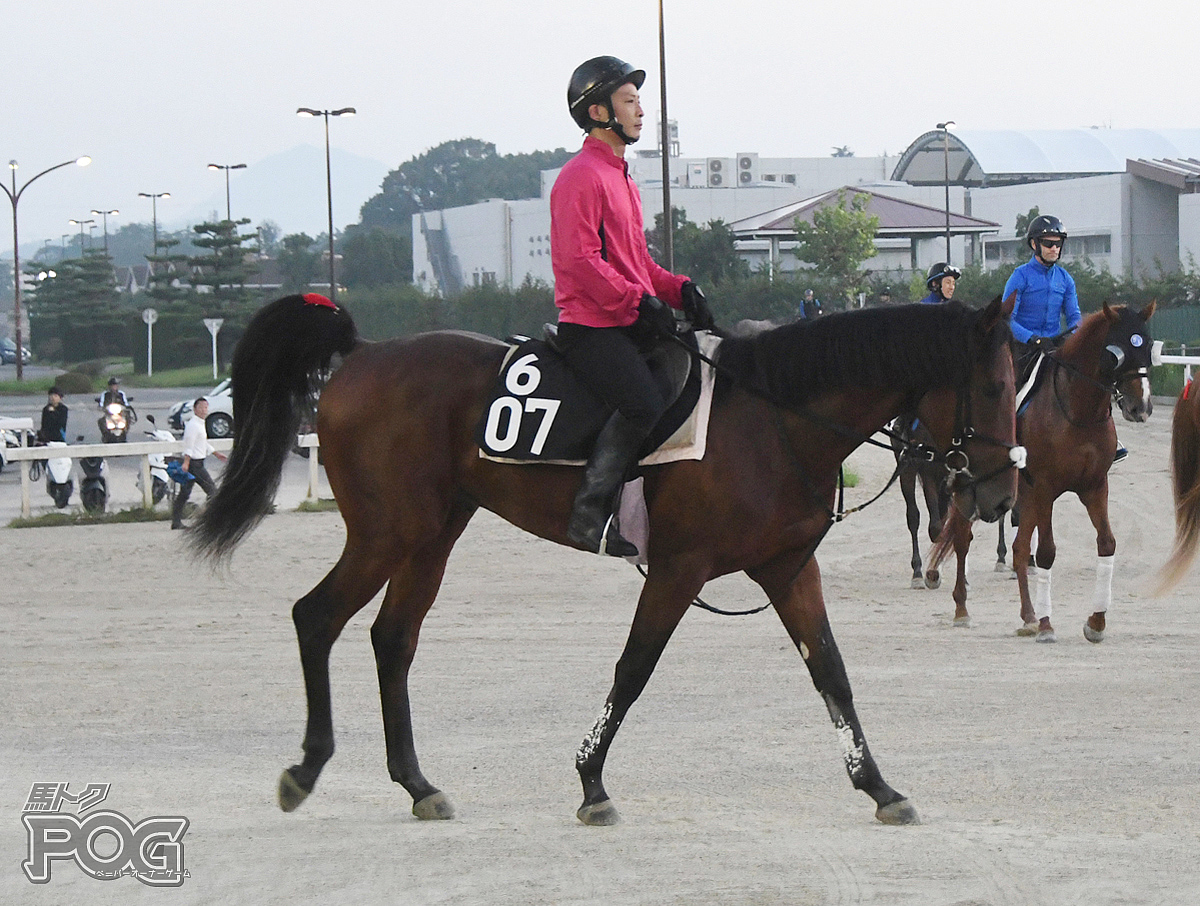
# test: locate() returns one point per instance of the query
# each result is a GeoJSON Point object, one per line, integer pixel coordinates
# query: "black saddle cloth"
{"type": "Point", "coordinates": [540, 412]}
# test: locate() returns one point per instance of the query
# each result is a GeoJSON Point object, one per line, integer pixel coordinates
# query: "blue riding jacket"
{"type": "Point", "coordinates": [1045, 296]}
{"type": "Point", "coordinates": [933, 299]}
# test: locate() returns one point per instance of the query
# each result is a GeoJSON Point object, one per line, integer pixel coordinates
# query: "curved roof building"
{"type": "Point", "coordinates": [1011, 157]}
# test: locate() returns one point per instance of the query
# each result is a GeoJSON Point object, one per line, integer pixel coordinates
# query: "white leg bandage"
{"type": "Point", "coordinates": [1041, 598]}
{"type": "Point", "coordinates": [1102, 596]}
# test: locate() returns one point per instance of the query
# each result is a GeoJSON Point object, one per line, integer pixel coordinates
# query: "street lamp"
{"type": "Point", "coordinates": [945, 127]}
{"type": "Point", "coordinates": [344, 111]}
{"type": "Point", "coordinates": [80, 224]}
{"type": "Point", "coordinates": [105, 214]}
{"type": "Point", "coordinates": [154, 197]}
{"type": "Point", "coordinates": [227, 168]}
{"type": "Point", "coordinates": [15, 196]}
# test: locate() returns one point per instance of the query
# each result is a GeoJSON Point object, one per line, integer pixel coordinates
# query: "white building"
{"type": "Point", "coordinates": [1127, 197]}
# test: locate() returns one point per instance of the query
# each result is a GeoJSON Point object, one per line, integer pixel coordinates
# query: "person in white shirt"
{"type": "Point", "coordinates": [195, 449]}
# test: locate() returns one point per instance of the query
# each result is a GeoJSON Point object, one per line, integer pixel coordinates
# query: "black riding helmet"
{"type": "Point", "coordinates": [1044, 225]}
{"type": "Point", "coordinates": [940, 270]}
{"type": "Point", "coordinates": [594, 82]}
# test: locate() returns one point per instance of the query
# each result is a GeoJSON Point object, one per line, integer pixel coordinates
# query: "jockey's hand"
{"type": "Point", "coordinates": [1041, 344]}
{"type": "Point", "coordinates": [655, 316]}
{"type": "Point", "coordinates": [695, 306]}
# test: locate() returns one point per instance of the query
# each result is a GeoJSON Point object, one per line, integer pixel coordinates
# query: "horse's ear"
{"type": "Point", "coordinates": [992, 314]}
{"type": "Point", "coordinates": [1148, 312]}
{"type": "Point", "coordinates": [1111, 315]}
{"type": "Point", "coordinates": [1009, 304]}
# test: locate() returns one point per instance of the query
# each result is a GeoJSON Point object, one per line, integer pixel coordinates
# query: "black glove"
{"type": "Point", "coordinates": [1041, 344]}
{"type": "Point", "coordinates": [655, 317]}
{"type": "Point", "coordinates": [695, 306]}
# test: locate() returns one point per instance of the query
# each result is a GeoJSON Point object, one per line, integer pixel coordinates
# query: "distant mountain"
{"type": "Point", "coordinates": [289, 188]}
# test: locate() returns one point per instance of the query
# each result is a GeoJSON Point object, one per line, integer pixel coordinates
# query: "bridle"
{"type": "Point", "coordinates": [1110, 387]}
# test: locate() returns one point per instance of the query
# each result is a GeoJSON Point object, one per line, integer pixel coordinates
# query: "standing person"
{"type": "Point", "coordinates": [942, 280]}
{"type": "Point", "coordinates": [810, 305]}
{"type": "Point", "coordinates": [54, 418]}
{"type": "Point", "coordinates": [885, 296]}
{"type": "Point", "coordinates": [613, 299]}
{"type": "Point", "coordinates": [195, 449]}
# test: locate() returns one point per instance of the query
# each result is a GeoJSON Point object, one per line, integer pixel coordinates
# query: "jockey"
{"type": "Point", "coordinates": [941, 282]}
{"type": "Point", "coordinates": [613, 299]}
{"type": "Point", "coordinates": [1046, 297]}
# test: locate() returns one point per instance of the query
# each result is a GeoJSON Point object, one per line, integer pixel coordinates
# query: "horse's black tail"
{"type": "Point", "coordinates": [277, 367]}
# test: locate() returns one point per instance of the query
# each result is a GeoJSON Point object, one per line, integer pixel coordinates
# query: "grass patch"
{"type": "Point", "coordinates": [83, 517]}
{"type": "Point", "coordinates": [194, 376]}
{"type": "Point", "coordinates": [320, 505]}
{"type": "Point", "coordinates": [849, 477]}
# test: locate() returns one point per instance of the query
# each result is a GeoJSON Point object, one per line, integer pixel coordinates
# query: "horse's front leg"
{"type": "Point", "coordinates": [963, 535]}
{"type": "Point", "coordinates": [801, 608]}
{"type": "Point", "coordinates": [1106, 554]}
{"type": "Point", "coordinates": [937, 506]}
{"type": "Point", "coordinates": [1001, 548]}
{"type": "Point", "coordinates": [912, 516]}
{"type": "Point", "coordinates": [1036, 606]}
{"type": "Point", "coordinates": [665, 598]}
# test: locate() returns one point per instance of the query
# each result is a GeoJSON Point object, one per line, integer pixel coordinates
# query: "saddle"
{"type": "Point", "coordinates": [539, 412]}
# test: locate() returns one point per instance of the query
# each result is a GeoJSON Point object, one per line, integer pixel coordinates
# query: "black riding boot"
{"type": "Point", "coordinates": [591, 526]}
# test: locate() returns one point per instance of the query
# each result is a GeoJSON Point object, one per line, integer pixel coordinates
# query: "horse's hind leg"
{"type": "Point", "coordinates": [801, 608]}
{"type": "Point", "coordinates": [319, 618]}
{"type": "Point", "coordinates": [394, 635]}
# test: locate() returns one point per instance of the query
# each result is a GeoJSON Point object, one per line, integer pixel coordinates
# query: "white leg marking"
{"type": "Point", "coordinates": [1102, 597]}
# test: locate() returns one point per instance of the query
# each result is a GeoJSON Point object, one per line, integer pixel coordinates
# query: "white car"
{"type": "Point", "coordinates": [220, 411]}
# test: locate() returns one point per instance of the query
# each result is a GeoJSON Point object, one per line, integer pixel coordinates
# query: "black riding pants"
{"type": "Point", "coordinates": [608, 361]}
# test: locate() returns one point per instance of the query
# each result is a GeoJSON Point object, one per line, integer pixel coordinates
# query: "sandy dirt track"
{"type": "Point", "coordinates": [1044, 774]}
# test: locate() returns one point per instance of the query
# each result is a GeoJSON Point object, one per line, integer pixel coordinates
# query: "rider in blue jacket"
{"type": "Point", "coordinates": [941, 282]}
{"type": "Point", "coordinates": [1045, 296]}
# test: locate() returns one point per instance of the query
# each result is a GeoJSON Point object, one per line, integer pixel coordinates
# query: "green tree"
{"type": "Point", "coordinates": [706, 254]}
{"type": "Point", "coordinates": [225, 269]}
{"type": "Point", "coordinates": [840, 238]}
{"type": "Point", "coordinates": [375, 257]}
{"type": "Point", "coordinates": [299, 261]}
{"type": "Point", "coordinates": [1023, 221]}
{"type": "Point", "coordinates": [77, 314]}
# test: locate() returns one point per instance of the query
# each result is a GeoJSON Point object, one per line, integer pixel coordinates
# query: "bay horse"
{"type": "Point", "coordinates": [397, 421]}
{"type": "Point", "coordinates": [1185, 484]}
{"type": "Point", "coordinates": [1067, 428]}
{"type": "Point", "coordinates": [909, 439]}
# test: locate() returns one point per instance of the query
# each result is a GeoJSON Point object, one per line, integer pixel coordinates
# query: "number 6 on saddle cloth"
{"type": "Point", "coordinates": [539, 412]}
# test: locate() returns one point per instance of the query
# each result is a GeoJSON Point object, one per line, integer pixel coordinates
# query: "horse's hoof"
{"type": "Point", "coordinates": [599, 814]}
{"type": "Point", "coordinates": [291, 793]}
{"type": "Point", "coordinates": [1046, 635]}
{"type": "Point", "coordinates": [1000, 567]}
{"type": "Point", "coordinates": [917, 583]}
{"type": "Point", "coordinates": [1093, 635]}
{"type": "Point", "coordinates": [899, 812]}
{"type": "Point", "coordinates": [434, 807]}
{"type": "Point", "coordinates": [1028, 629]}
{"type": "Point", "coordinates": [933, 580]}
{"type": "Point", "coordinates": [963, 622]}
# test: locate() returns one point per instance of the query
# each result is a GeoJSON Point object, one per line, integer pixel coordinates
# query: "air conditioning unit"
{"type": "Point", "coordinates": [747, 168]}
{"type": "Point", "coordinates": [721, 172]}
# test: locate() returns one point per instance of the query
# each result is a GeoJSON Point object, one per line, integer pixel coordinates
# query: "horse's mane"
{"type": "Point", "coordinates": [911, 347]}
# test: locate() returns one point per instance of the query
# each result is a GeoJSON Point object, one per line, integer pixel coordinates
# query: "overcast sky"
{"type": "Point", "coordinates": [156, 90]}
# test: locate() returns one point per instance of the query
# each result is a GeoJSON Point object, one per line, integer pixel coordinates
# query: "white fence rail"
{"type": "Point", "coordinates": [1187, 361]}
{"type": "Point", "coordinates": [144, 449]}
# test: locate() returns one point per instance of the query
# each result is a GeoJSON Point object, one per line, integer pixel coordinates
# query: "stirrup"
{"type": "Point", "coordinates": [621, 546]}
{"type": "Point", "coordinates": [1121, 455]}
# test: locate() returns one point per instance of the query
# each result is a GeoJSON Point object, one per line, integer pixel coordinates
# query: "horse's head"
{"type": "Point", "coordinates": [975, 421]}
{"type": "Point", "coordinates": [1125, 361]}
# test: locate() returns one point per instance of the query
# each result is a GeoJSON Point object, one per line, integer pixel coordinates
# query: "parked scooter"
{"type": "Point", "coordinates": [58, 476]}
{"type": "Point", "coordinates": [93, 486]}
{"type": "Point", "coordinates": [160, 481]}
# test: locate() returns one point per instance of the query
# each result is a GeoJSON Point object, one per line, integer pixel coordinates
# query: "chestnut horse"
{"type": "Point", "coordinates": [1185, 482]}
{"type": "Point", "coordinates": [397, 423]}
{"type": "Point", "coordinates": [1067, 429]}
